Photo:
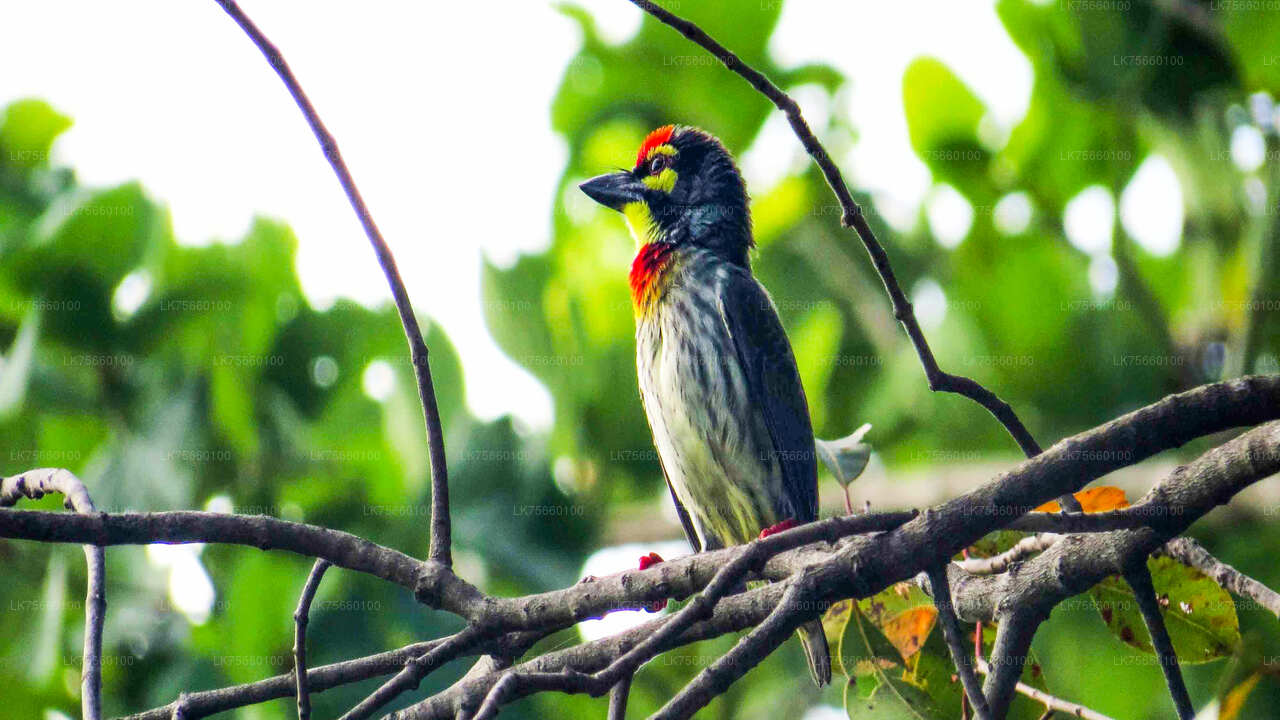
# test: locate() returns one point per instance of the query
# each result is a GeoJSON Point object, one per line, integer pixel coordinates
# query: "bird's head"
{"type": "Point", "coordinates": [684, 189]}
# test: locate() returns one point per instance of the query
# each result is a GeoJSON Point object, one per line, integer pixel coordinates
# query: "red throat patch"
{"type": "Point", "coordinates": [646, 270]}
{"type": "Point", "coordinates": [661, 136]}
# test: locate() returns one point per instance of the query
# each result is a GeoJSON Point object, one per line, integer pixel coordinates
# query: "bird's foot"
{"type": "Point", "coordinates": [646, 562]}
{"type": "Point", "coordinates": [775, 529]}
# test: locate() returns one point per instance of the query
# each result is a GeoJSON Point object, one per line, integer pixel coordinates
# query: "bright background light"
{"type": "Point", "coordinates": [447, 131]}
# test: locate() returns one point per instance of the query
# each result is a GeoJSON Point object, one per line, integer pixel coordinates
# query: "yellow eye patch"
{"type": "Point", "coordinates": [664, 181]}
{"type": "Point", "coordinates": [660, 150]}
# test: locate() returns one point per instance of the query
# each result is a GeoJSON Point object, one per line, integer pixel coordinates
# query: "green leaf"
{"type": "Point", "coordinates": [1199, 614]}
{"type": "Point", "coordinates": [27, 132]}
{"type": "Point", "coordinates": [942, 119]}
{"type": "Point", "coordinates": [15, 366]}
{"type": "Point", "coordinates": [879, 691]}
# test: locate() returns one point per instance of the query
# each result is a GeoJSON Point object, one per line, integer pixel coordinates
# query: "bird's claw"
{"type": "Point", "coordinates": [775, 529]}
{"type": "Point", "coordinates": [646, 562]}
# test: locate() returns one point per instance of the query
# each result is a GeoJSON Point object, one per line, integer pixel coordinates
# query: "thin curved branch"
{"type": "Point", "coordinates": [1139, 579]}
{"type": "Point", "coordinates": [852, 217]}
{"type": "Point", "coordinates": [749, 652]}
{"type": "Point", "coordinates": [440, 522]}
{"type": "Point", "coordinates": [1052, 703]}
{"type": "Point", "coordinates": [1189, 552]}
{"type": "Point", "coordinates": [35, 484]}
{"type": "Point", "coordinates": [414, 670]}
{"type": "Point", "coordinates": [301, 617]}
{"type": "Point", "coordinates": [211, 702]}
{"type": "Point", "coordinates": [941, 592]}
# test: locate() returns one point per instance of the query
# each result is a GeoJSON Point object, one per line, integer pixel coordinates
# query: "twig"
{"type": "Point", "coordinates": [301, 617]}
{"type": "Point", "coordinates": [618, 698]}
{"type": "Point", "coordinates": [941, 591]}
{"type": "Point", "coordinates": [35, 484]}
{"type": "Point", "coordinates": [1139, 578]}
{"type": "Point", "coordinates": [746, 654]}
{"type": "Point", "coordinates": [440, 528]}
{"type": "Point", "coordinates": [1189, 552]}
{"type": "Point", "coordinates": [1024, 548]}
{"type": "Point", "coordinates": [211, 702]}
{"type": "Point", "coordinates": [939, 381]}
{"type": "Point", "coordinates": [414, 671]}
{"type": "Point", "coordinates": [1052, 703]}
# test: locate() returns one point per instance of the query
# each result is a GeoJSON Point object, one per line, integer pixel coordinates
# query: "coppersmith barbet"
{"type": "Point", "coordinates": [717, 375]}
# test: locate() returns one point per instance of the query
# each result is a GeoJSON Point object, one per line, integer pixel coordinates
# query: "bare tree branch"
{"type": "Point", "coordinates": [941, 592]}
{"type": "Point", "coordinates": [440, 521]}
{"type": "Point", "coordinates": [35, 484]}
{"type": "Point", "coordinates": [301, 617]}
{"type": "Point", "coordinates": [1189, 552]}
{"type": "Point", "coordinates": [1052, 703]}
{"type": "Point", "coordinates": [1139, 578]}
{"type": "Point", "coordinates": [211, 702]}
{"type": "Point", "coordinates": [414, 671]}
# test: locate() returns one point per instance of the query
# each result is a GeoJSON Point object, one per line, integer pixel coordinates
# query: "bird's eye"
{"type": "Point", "coordinates": [658, 163]}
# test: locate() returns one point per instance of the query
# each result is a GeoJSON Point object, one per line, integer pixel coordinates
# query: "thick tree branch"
{"type": "Point", "coordinates": [440, 528]}
{"type": "Point", "coordinates": [301, 617]}
{"type": "Point", "coordinates": [857, 566]}
{"type": "Point", "coordinates": [35, 484]}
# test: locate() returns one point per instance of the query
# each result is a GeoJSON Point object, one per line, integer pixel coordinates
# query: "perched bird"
{"type": "Point", "coordinates": [717, 375]}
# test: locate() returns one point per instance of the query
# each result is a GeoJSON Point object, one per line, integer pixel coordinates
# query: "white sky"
{"type": "Point", "coordinates": [428, 101]}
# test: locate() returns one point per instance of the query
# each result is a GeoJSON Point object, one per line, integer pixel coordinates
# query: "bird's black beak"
{"type": "Point", "coordinates": [613, 190]}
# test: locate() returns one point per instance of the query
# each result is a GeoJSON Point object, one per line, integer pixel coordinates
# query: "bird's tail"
{"type": "Point", "coordinates": [814, 639]}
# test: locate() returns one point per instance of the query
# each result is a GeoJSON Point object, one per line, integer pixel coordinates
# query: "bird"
{"type": "Point", "coordinates": [717, 375]}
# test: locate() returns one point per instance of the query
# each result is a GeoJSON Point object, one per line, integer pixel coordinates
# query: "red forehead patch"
{"type": "Point", "coordinates": [661, 136]}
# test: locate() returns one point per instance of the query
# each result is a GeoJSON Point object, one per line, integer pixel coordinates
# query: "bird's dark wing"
{"type": "Point", "coordinates": [685, 521]}
{"type": "Point", "coordinates": [770, 369]}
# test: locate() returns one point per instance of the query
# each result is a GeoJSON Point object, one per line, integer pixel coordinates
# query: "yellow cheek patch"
{"type": "Point", "coordinates": [664, 181]}
{"type": "Point", "coordinates": [641, 223]}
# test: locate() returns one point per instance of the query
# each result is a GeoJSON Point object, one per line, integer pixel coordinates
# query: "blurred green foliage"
{"type": "Point", "coordinates": [172, 377]}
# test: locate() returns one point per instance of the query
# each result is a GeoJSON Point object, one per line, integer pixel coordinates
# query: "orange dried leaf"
{"type": "Point", "coordinates": [908, 631]}
{"type": "Point", "coordinates": [1101, 498]}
